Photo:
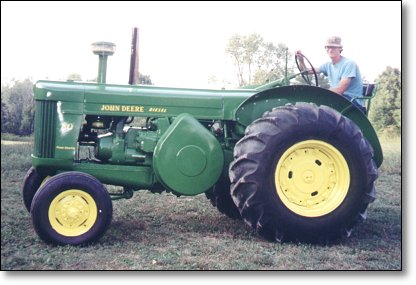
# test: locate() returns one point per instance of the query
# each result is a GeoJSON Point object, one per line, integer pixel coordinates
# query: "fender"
{"type": "Point", "coordinates": [255, 106]}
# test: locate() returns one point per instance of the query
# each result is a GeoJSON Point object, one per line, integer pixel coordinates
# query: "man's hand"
{"type": "Point", "coordinates": [300, 56]}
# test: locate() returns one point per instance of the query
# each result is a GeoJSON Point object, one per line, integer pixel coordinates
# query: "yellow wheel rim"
{"type": "Point", "coordinates": [72, 213]}
{"type": "Point", "coordinates": [312, 178]}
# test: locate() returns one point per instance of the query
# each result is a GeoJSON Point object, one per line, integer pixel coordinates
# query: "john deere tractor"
{"type": "Point", "coordinates": [294, 162]}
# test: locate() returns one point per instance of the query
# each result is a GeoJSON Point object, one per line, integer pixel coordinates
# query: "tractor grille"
{"type": "Point", "coordinates": [45, 128]}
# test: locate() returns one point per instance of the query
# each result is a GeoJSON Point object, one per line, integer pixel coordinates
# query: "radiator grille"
{"type": "Point", "coordinates": [45, 127]}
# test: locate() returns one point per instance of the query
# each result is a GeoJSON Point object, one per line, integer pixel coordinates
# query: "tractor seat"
{"type": "Point", "coordinates": [368, 89]}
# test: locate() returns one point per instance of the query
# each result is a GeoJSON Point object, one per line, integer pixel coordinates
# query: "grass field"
{"type": "Point", "coordinates": [164, 232]}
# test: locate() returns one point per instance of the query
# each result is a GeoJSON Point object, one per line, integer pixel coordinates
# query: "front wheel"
{"type": "Point", "coordinates": [31, 183]}
{"type": "Point", "coordinates": [71, 208]}
{"type": "Point", "coordinates": [303, 173]}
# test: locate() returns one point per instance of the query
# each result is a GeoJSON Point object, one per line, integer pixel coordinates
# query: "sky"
{"type": "Point", "coordinates": [182, 44]}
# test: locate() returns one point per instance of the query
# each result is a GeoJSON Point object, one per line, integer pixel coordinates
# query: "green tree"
{"type": "Point", "coordinates": [145, 79]}
{"type": "Point", "coordinates": [236, 49]}
{"type": "Point", "coordinates": [252, 52]}
{"type": "Point", "coordinates": [17, 107]}
{"type": "Point", "coordinates": [273, 63]}
{"type": "Point", "coordinates": [4, 109]}
{"type": "Point", "coordinates": [74, 77]}
{"type": "Point", "coordinates": [257, 61]}
{"type": "Point", "coordinates": [385, 112]}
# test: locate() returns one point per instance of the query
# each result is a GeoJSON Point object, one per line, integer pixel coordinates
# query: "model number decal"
{"type": "Point", "coordinates": [158, 110]}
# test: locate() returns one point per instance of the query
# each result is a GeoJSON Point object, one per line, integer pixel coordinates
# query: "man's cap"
{"type": "Point", "coordinates": [333, 42]}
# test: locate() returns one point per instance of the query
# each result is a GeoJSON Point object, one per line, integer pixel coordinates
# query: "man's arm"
{"type": "Point", "coordinates": [343, 85]}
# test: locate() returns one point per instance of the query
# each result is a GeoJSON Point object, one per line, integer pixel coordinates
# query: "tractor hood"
{"type": "Point", "coordinates": [144, 100]}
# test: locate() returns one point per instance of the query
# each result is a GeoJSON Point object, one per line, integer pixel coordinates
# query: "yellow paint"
{"type": "Point", "coordinates": [312, 178]}
{"type": "Point", "coordinates": [72, 213]}
{"type": "Point", "coordinates": [134, 109]}
{"type": "Point", "coordinates": [112, 108]}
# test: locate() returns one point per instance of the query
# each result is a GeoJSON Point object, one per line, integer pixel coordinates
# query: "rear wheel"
{"type": "Point", "coordinates": [303, 173]}
{"type": "Point", "coordinates": [71, 208]}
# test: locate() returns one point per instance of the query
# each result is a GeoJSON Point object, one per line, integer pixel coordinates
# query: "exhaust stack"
{"type": "Point", "coordinates": [134, 58]}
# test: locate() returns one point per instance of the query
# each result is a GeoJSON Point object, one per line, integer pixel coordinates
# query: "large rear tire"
{"type": "Point", "coordinates": [303, 173]}
{"type": "Point", "coordinates": [71, 208]}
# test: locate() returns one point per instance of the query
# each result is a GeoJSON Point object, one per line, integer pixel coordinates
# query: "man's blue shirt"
{"type": "Point", "coordinates": [343, 69]}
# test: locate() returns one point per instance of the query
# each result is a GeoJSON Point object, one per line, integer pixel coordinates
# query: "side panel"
{"type": "Point", "coordinates": [255, 106]}
{"type": "Point", "coordinates": [188, 159]}
{"type": "Point", "coordinates": [69, 119]}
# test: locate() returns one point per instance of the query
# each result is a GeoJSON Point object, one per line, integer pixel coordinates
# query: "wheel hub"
{"type": "Point", "coordinates": [72, 212]}
{"type": "Point", "coordinates": [312, 178]}
{"type": "Point", "coordinates": [308, 177]}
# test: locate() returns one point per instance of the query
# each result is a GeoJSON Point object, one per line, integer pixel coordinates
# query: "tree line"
{"type": "Point", "coordinates": [256, 62]}
{"type": "Point", "coordinates": [17, 107]}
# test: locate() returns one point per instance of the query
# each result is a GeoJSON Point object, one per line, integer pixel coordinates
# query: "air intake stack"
{"type": "Point", "coordinates": [103, 50]}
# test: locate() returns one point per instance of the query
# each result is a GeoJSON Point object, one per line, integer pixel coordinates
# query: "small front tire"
{"type": "Point", "coordinates": [71, 208]}
{"type": "Point", "coordinates": [31, 184]}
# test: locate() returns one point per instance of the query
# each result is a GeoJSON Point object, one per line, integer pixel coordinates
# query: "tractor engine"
{"type": "Point", "coordinates": [128, 145]}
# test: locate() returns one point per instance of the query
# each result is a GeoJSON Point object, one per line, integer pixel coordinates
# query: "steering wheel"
{"type": "Point", "coordinates": [305, 74]}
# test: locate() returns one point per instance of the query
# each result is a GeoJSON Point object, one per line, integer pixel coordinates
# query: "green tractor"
{"type": "Point", "coordinates": [295, 162]}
